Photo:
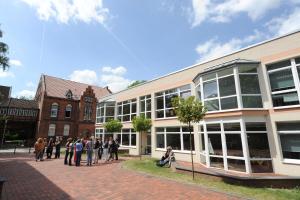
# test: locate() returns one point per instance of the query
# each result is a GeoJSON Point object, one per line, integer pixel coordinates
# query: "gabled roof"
{"type": "Point", "coordinates": [20, 103]}
{"type": "Point", "coordinates": [57, 87]}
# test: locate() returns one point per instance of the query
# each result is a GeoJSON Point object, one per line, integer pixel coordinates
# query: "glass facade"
{"type": "Point", "coordinates": [126, 110]}
{"type": "Point", "coordinates": [105, 111]}
{"type": "Point", "coordinates": [145, 106]}
{"type": "Point", "coordinates": [224, 89]}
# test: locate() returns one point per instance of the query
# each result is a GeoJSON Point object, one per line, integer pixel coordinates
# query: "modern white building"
{"type": "Point", "coordinates": [253, 119]}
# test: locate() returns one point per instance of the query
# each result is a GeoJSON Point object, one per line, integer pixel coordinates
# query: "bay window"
{"type": "Point", "coordinates": [163, 100]}
{"type": "Point", "coordinates": [105, 112]}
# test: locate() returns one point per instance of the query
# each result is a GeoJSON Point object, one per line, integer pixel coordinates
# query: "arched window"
{"type": "Point", "coordinates": [68, 111]}
{"type": "Point", "coordinates": [54, 110]}
{"type": "Point", "coordinates": [51, 131]}
{"type": "Point", "coordinates": [66, 129]}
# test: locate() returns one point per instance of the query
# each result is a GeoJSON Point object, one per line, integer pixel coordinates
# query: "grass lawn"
{"type": "Point", "coordinates": [148, 166]}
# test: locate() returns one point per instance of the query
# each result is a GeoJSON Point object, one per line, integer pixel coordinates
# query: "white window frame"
{"type": "Point", "coordinates": [181, 132]}
{"type": "Point", "coordinates": [130, 103]}
{"type": "Point", "coordinates": [296, 81]}
{"type": "Point", "coordinates": [66, 130]}
{"type": "Point", "coordinates": [131, 132]}
{"type": "Point", "coordinates": [104, 106]}
{"type": "Point", "coordinates": [143, 100]}
{"type": "Point", "coordinates": [177, 91]}
{"type": "Point", "coordinates": [54, 110]}
{"type": "Point", "coordinates": [51, 130]}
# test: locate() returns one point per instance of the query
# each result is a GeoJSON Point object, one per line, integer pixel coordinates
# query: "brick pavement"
{"type": "Point", "coordinates": [51, 179]}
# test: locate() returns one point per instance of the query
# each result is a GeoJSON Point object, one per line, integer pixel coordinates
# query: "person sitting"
{"type": "Point", "coordinates": [167, 158]}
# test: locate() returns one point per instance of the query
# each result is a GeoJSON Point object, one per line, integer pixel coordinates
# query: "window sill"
{"type": "Point", "coordinates": [291, 161]}
{"type": "Point", "coordinates": [286, 107]}
{"type": "Point", "coordinates": [127, 147]}
{"type": "Point", "coordinates": [233, 110]}
{"type": "Point", "coordinates": [166, 118]}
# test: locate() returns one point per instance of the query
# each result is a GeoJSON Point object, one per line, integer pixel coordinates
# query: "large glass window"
{"type": "Point", "coordinates": [54, 110]}
{"type": "Point", "coordinates": [105, 111]}
{"type": "Point", "coordinates": [220, 88]}
{"type": "Point", "coordinates": [145, 106]}
{"type": "Point", "coordinates": [289, 133]}
{"type": "Point", "coordinates": [163, 100]}
{"type": "Point", "coordinates": [66, 129]}
{"type": "Point", "coordinates": [284, 76]}
{"type": "Point", "coordinates": [258, 144]}
{"type": "Point", "coordinates": [68, 111]}
{"type": "Point", "coordinates": [127, 110]}
{"type": "Point", "coordinates": [127, 138]}
{"type": "Point", "coordinates": [176, 137]}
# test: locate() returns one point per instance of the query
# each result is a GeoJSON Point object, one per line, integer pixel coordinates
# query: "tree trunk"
{"type": "Point", "coordinates": [4, 130]}
{"type": "Point", "coordinates": [191, 150]}
{"type": "Point", "coordinates": [141, 133]}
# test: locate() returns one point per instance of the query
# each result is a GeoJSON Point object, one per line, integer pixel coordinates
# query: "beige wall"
{"type": "Point", "coordinates": [272, 51]}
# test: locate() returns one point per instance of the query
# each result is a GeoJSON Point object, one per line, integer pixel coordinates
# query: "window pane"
{"type": "Point", "coordinates": [209, 76]}
{"type": "Point", "coordinates": [126, 109]}
{"type": "Point", "coordinates": [282, 80]}
{"type": "Point", "coordinates": [120, 110]}
{"type": "Point", "coordinates": [185, 87]}
{"type": "Point", "coordinates": [186, 142]}
{"type": "Point", "coordinates": [160, 141]}
{"type": "Point", "coordinates": [297, 60]}
{"type": "Point", "coordinates": [278, 65]}
{"type": "Point", "coordinates": [288, 126]}
{"type": "Point", "coordinates": [170, 113]}
{"type": "Point", "coordinates": [148, 115]}
{"type": "Point", "coordinates": [133, 139]}
{"type": "Point", "coordinates": [159, 129]}
{"type": "Point", "coordinates": [142, 106]}
{"type": "Point", "coordinates": [173, 140]}
{"type": "Point", "coordinates": [286, 99]}
{"type": "Point", "coordinates": [228, 103]}
{"type": "Point", "coordinates": [216, 162]}
{"type": "Point", "coordinates": [169, 100]}
{"type": "Point", "coordinates": [185, 94]}
{"type": "Point", "coordinates": [227, 86]}
{"type": "Point", "coordinates": [148, 104]}
{"type": "Point", "coordinates": [160, 102]}
{"type": "Point", "coordinates": [236, 165]}
{"type": "Point", "coordinates": [126, 118]}
{"type": "Point", "coordinates": [232, 126]}
{"type": "Point", "coordinates": [125, 139]}
{"type": "Point", "coordinates": [252, 102]}
{"type": "Point", "coordinates": [198, 92]}
{"type": "Point", "coordinates": [186, 129]}
{"type": "Point", "coordinates": [234, 145]}
{"type": "Point", "coordinates": [110, 111]}
{"type": "Point", "coordinates": [173, 129]}
{"type": "Point", "coordinates": [249, 84]}
{"type": "Point", "coordinates": [298, 69]}
{"type": "Point", "coordinates": [258, 145]}
{"type": "Point", "coordinates": [133, 108]}
{"type": "Point", "coordinates": [247, 68]}
{"type": "Point", "coordinates": [261, 166]}
{"type": "Point", "coordinates": [210, 89]}
{"type": "Point", "coordinates": [160, 114]}
{"type": "Point", "coordinates": [202, 147]}
{"type": "Point", "coordinates": [225, 72]}
{"type": "Point", "coordinates": [290, 145]}
{"type": "Point", "coordinates": [215, 144]}
{"type": "Point", "coordinates": [256, 126]}
{"type": "Point", "coordinates": [212, 105]}
{"type": "Point", "coordinates": [213, 127]}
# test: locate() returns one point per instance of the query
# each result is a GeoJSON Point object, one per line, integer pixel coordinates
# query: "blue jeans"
{"type": "Point", "coordinates": [78, 157]}
{"type": "Point", "coordinates": [89, 154]}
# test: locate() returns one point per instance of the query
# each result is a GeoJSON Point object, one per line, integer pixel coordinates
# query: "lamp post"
{"type": "Point", "coordinates": [5, 117]}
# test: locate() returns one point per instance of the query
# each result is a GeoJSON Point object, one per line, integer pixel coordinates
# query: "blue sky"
{"type": "Point", "coordinates": [115, 42]}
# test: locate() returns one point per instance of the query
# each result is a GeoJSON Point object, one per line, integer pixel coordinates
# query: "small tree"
{"type": "Point", "coordinates": [4, 60]}
{"type": "Point", "coordinates": [141, 125]}
{"type": "Point", "coordinates": [135, 83]}
{"type": "Point", "coordinates": [113, 126]}
{"type": "Point", "coordinates": [189, 110]}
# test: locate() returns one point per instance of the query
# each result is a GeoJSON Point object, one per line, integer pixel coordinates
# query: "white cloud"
{"type": "Point", "coordinates": [6, 74]}
{"type": "Point", "coordinates": [285, 23]}
{"type": "Point", "coordinates": [84, 76]}
{"type": "Point", "coordinates": [223, 12]}
{"type": "Point", "coordinates": [114, 78]}
{"type": "Point", "coordinates": [117, 71]}
{"type": "Point", "coordinates": [64, 11]}
{"type": "Point", "coordinates": [213, 48]}
{"type": "Point", "coordinates": [26, 93]}
{"type": "Point", "coordinates": [15, 62]}
{"type": "Point", "coordinates": [30, 84]}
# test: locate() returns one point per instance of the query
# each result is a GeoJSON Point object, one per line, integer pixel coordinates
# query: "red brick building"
{"type": "Point", "coordinates": [66, 108]}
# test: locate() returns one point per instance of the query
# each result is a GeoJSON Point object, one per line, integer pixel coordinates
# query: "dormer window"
{"type": "Point", "coordinates": [69, 94]}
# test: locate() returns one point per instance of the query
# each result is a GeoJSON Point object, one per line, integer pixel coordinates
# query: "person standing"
{"type": "Point", "coordinates": [38, 148]}
{"type": "Point", "coordinates": [100, 150]}
{"type": "Point", "coordinates": [96, 150]}
{"type": "Point", "coordinates": [45, 145]}
{"type": "Point", "coordinates": [116, 148]}
{"type": "Point", "coordinates": [57, 147]}
{"type": "Point", "coordinates": [105, 149]}
{"type": "Point", "coordinates": [110, 148]}
{"type": "Point", "coordinates": [79, 148]}
{"type": "Point", "coordinates": [89, 151]}
{"type": "Point", "coordinates": [68, 150]}
{"type": "Point", "coordinates": [49, 150]}
{"type": "Point", "coordinates": [71, 152]}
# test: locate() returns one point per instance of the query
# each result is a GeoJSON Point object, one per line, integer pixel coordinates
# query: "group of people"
{"type": "Point", "coordinates": [42, 145]}
{"type": "Point", "coordinates": [95, 149]}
